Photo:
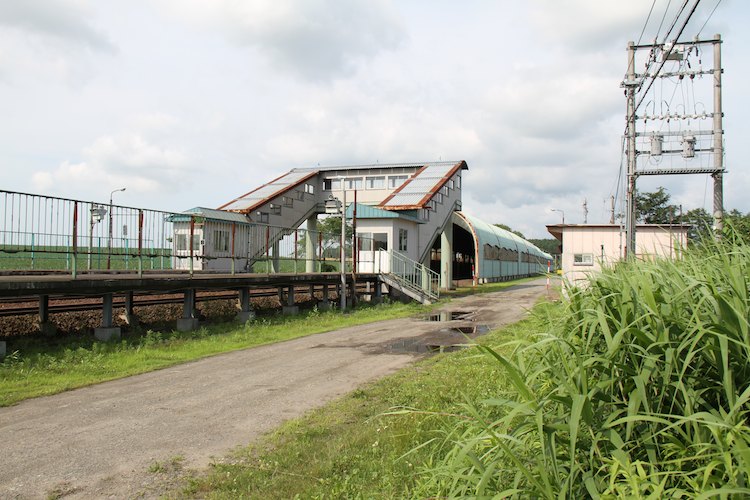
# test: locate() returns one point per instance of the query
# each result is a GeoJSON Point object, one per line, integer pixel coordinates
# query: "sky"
{"type": "Point", "coordinates": [193, 102]}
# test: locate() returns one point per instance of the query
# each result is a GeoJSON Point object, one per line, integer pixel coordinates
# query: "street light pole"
{"type": "Point", "coordinates": [559, 210]}
{"type": "Point", "coordinates": [343, 248]}
{"type": "Point", "coordinates": [109, 242]}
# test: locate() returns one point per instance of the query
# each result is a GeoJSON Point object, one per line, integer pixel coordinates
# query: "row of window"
{"type": "Point", "coordinates": [221, 240]}
{"type": "Point", "coordinates": [370, 182]}
{"type": "Point", "coordinates": [492, 252]}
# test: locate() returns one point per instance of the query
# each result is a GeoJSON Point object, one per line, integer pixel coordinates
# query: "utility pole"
{"type": "Point", "coordinates": [612, 209]}
{"type": "Point", "coordinates": [677, 133]}
{"type": "Point", "coordinates": [630, 85]}
{"type": "Point", "coordinates": [718, 145]}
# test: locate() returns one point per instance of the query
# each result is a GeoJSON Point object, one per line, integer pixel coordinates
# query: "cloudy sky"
{"type": "Point", "coordinates": [192, 102]}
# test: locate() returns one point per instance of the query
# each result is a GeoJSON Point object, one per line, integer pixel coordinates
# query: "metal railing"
{"type": "Point", "coordinates": [45, 233]}
{"type": "Point", "coordinates": [414, 275]}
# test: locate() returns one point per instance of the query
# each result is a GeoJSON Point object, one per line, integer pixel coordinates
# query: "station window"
{"type": "Point", "coordinates": [375, 182]}
{"type": "Point", "coordinates": [354, 183]}
{"type": "Point", "coordinates": [309, 189]}
{"type": "Point", "coordinates": [263, 217]}
{"type": "Point", "coordinates": [275, 209]}
{"type": "Point", "coordinates": [438, 198]}
{"type": "Point", "coordinates": [583, 259]}
{"type": "Point", "coordinates": [403, 236]}
{"type": "Point", "coordinates": [332, 184]}
{"type": "Point", "coordinates": [221, 241]}
{"type": "Point", "coordinates": [300, 195]}
{"type": "Point", "coordinates": [180, 242]}
{"type": "Point", "coordinates": [395, 181]}
{"type": "Point", "coordinates": [379, 241]}
{"type": "Point", "coordinates": [365, 241]}
{"type": "Point", "coordinates": [424, 214]}
{"type": "Point", "coordinates": [288, 201]}
{"type": "Point", "coordinates": [451, 184]}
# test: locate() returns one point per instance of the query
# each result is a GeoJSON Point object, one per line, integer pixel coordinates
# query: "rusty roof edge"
{"type": "Point", "coordinates": [269, 198]}
{"type": "Point", "coordinates": [401, 187]}
{"type": "Point", "coordinates": [441, 183]}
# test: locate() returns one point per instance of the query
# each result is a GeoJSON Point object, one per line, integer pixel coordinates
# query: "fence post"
{"type": "Point", "coordinates": [268, 239]}
{"type": "Point", "coordinates": [75, 239]}
{"type": "Point", "coordinates": [192, 232]}
{"type": "Point", "coordinates": [296, 240]}
{"type": "Point", "coordinates": [234, 229]}
{"type": "Point", "coordinates": [32, 251]}
{"type": "Point", "coordinates": [140, 242]}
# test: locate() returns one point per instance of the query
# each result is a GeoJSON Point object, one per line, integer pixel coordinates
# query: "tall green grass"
{"type": "Point", "coordinates": [638, 388]}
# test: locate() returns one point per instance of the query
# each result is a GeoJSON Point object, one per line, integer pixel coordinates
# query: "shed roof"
{"type": "Point", "coordinates": [209, 214]}
{"type": "Point", "coordinates": [370, 212]}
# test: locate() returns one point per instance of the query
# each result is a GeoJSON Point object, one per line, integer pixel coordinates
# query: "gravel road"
{"type": "Point", "coordinates": [101, 441]}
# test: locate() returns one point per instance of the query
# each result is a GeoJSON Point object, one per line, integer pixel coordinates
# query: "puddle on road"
{"type": "Point", "coordinates": [473, 330]}
{"type": "Point", "coordinates": [448, 340]}
{"type": "Point", "coordinates": [449, 316]}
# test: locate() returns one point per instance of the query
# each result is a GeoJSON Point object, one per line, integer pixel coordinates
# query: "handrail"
{"type": "Point", "coordinates": [415, 275]}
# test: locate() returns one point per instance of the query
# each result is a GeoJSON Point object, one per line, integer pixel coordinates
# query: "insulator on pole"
{"type": "Point", "coordinates": [656, 144]}
{"type": "Point", "coordinates": [688, 146]}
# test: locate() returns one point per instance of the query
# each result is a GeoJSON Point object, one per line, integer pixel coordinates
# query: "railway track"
{"type": "Point", "coordinates": [19, 306]}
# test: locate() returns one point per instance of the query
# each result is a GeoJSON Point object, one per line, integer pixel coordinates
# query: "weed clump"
{"type": "Point", "coordinates": [639, 387]}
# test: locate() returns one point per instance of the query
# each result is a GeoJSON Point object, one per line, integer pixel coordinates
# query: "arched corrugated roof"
{"type": "Point", "coordinates": [490, 234]}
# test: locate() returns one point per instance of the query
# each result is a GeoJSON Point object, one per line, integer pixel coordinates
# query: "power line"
{"type": "Point", "coordinates": [707, 19]}
{"type": "Point", "coordinates": [646, 23]}
{"type": "Point", "coordinates": [664, 59]}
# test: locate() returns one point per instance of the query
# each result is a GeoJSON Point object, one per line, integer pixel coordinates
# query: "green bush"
{"type": "Point", "coordinates": [639, 388]}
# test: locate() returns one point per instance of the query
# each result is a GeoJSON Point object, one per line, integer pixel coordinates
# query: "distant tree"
{"type": "Point", "coordinates": [654, 207]}
{"type": "Point", "coordinates": [700, 223]}
{"type": "Point", "coordinates": [507, 228]}
{"type": "Point", "coordinates": [549, 245]}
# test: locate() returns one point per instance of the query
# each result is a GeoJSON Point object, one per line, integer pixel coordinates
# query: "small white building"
{"type": "Point", "coordinates": [217, 236]}
{"type": "Point", "coordinates": [586, 248]}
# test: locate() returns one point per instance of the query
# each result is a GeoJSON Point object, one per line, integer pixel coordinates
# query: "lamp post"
{"type": "Point", "coordinates": [97, 214]}
{"type": "Point", "coordinates": [109, 241]}
{"type": "Point", "coordinates": [559, 210]}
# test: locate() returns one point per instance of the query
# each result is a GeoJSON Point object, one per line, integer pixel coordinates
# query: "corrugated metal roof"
{"type": "Point", "coordinates": [422, 186]}
{"type": "Point", "coordinates": [247, 202]}
{"type": "Point", "coordinates": [416, 164]}
{"type": "Point", "coordinates": [210, 214]}
{"type": "Point", "coordinates": [490, 234]}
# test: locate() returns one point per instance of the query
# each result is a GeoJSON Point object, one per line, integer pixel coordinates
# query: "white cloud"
{"type": "Point", "coordinates": [318, 40]}
{"type": "Point", "coordinates": [113, 161]}
{"type": "Point", "coordinates": [60, 20]}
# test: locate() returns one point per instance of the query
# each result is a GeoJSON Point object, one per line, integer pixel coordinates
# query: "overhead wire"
{"type": "Point", "coordinates": [646, 23]}
{"type": "Point", "coordinates": [708, 18]}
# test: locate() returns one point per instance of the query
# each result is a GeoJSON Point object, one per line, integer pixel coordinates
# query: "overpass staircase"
{"type": "Point", "coordinates": [412, 278]}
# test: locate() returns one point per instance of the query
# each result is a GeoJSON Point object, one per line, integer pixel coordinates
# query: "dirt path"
{"type": "Point", "coordinates": [101, 441]}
